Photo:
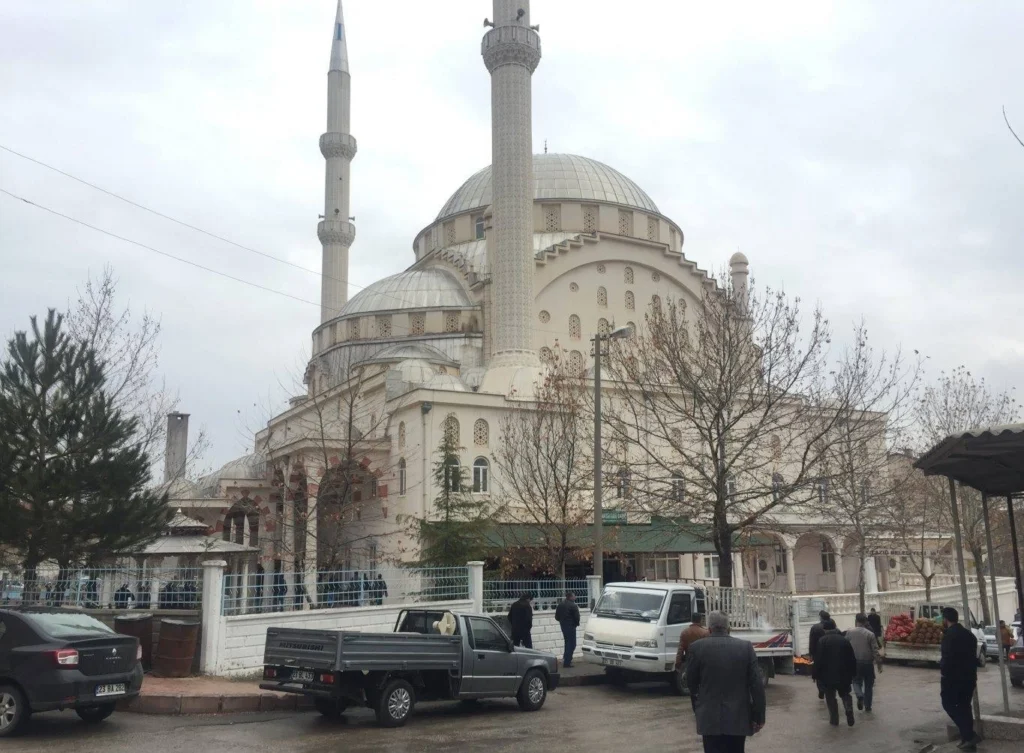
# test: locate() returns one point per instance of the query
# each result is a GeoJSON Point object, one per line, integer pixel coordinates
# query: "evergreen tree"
{"type": "Point", "coordinates": [74, 481]}
{"type": "Point", "coordinates": [457, 531]}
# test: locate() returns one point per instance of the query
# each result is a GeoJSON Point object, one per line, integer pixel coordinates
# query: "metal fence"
{"type": "Point", "coordinates": [332, 589]}
{"type": "Point", "coordinates": [546, 592]}
{"type": "Point", "coordinates": [749, 610]}
{"type": "Point", "coordinates": [108, 588]}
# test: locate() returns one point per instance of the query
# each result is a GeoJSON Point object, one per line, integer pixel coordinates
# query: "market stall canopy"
{"type": "Point", "coordinates": [989, 459]}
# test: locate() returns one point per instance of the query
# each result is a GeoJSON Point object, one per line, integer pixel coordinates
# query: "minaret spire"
{"type": "Point", "coordinates": [336, 231]}
{"type": "Point", "coordinates": [511, 52]}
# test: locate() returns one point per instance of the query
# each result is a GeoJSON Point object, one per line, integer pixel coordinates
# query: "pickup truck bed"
{"type": "Point", "coordinates": [350, 651]}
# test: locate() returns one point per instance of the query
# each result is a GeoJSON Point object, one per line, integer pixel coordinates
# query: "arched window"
{"type": "Point", "coordinates": [451, 429]}
{"type": "Point", "coordinates": [481, 473]}
{"type": "Point", "coordinates": [481, 433]}
{"type": "Point", "coordinates": [453, 475]}
{"type": "Point", "coordinates": [401, 435]}
{"type": "Point", "coordinates": [656, 301]}
{"type": "Point", "coordinates": [622, 483]}
{"type": "Point", "coordinates": [628, 275]}
{"type": "Point", "coordinates": [678, 487]}
{"type": "Point", "coordinates": [401, 476]}
{"type": "Point", "coordinates": [576, 363]}
{"type": "Point", "coordinates": [821, 487]}
{"type": "Point", "coordinates": [575, 329]}
{"type": "Point", "coordinates": [373, 487]}
{"type": "Point", "coordinates": [602, 297]}
{"type": "Point", "coordinates": [730, 486]}
{"type": "Point", "coordinates": [603, 327]}
{"type": "Point", "coordinates": [630, 300]}
{"type": "Point", "coordinates": [828, 556]}
{"type": "Point", "coordinates": [545, 354]}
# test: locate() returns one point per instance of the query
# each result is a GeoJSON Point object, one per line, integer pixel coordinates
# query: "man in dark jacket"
{"type": "Point", "coordinates": [567, 615]}
{"type": "Point", "coordinates": [726, 688]}
{"type": "Point", "coordinates": [959, 670]}
{"type": "Point", "coordinates": [520, 620]}
{"type": "Point", "coordinates": [817, 630]}
{"type": "Point", "coordinates": [835, 666]}
{"type": "Point", "coordinates": [875, 623]}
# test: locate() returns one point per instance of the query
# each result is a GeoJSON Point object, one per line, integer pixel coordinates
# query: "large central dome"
{"type": "Point", "coordinates": [557, 176]}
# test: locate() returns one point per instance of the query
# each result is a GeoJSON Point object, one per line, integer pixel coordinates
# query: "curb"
{"type": "Point", "coordinates": [580, 681]}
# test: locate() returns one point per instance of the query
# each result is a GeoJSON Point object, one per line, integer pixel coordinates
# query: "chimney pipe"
{"type": "Point", "coordinates": [177, 446]}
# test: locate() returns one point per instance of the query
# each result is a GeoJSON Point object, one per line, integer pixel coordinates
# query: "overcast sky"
{"type": "Point", "coordinates": [855, 152]}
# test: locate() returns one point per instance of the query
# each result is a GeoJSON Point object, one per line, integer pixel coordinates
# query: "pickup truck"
{"type": "Point", "coordinates": [432, 655]}
{"type": "Point", "coordinates": [904, 653]}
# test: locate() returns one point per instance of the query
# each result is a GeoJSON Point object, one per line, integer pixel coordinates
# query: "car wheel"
{"type": "Point", "coordinates": [677, 681]}
{"type": "Point", "coordinates": [94, 714]}
{"type": "Point", "coordinates": [394, 704]}
{"type": "Point", "coordinates": [330, 708]}
{"type": "Point", "coordinates": [533, 692]}
{"type": "Point", "coordinates": [13, 710]}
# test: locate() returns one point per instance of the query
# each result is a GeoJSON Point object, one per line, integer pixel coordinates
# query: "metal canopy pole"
{"type": "Point", "coordinates": [598, 482]}
{"type": "Point", "coordinates": [1016, 555]}
{"type": "Point", "coordinates": [962, 570]}
{"type": "Point", "coordinates": [995, 602]}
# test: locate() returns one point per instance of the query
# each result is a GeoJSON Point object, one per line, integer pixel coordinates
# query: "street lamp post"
{"type": "Point", "coordinates": [598, 502]}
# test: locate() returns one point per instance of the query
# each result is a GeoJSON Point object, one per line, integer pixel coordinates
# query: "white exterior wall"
{"type": "Point", "coordinates": [547, 634]}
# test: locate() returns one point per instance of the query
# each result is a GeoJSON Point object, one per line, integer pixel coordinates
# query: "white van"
{"type": "Point", "coordinates": [634, 630]}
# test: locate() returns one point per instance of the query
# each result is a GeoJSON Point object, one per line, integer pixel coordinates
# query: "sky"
{"type": "Point", "coordinates": [855, 152]}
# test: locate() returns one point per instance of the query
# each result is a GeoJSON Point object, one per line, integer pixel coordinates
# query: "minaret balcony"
{"type": "Point", "coordinates": [511, 45]}
{"type": "Point", "coordinates": [334, 232]}
{"type": "Point", "coordinates": [338, 145]}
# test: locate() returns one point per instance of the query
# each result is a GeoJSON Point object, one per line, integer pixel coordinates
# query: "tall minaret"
{"type": "Point", "coordinates": [511, 52]}
{"type": "Point", "coordinates": [336, 233]}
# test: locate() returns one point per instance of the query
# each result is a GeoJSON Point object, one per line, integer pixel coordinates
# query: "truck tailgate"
{"type": "Point", "coordinates": [294, 647]}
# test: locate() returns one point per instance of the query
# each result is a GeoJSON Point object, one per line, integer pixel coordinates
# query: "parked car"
{"type": "Point", "coordinates": [1015, 664]}
{"type": "Point", "coordinates": [54, 659]}
{"type": "Point", "coordinates": [991, 642]}
{"type": "Point", "coordinates": [432, 655]}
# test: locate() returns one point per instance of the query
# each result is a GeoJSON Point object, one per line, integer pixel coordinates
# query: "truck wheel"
{"type": "Point", "coordinates": [94, 714]}
{"type": "Point", "coordinates": [13, 710]}
{"type": "Point", "coordinates": [533, 692]}
{"type": "Point", "coordinates": [677, 681]}
{"type": "Point", "coordinates": [330, 708]}
{"type": "Point", "coordinates": [394, 704]}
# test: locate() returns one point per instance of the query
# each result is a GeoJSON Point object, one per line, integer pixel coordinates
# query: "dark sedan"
{"type": "Point", "coordinates": [1015, 665]}
{"type": "Point", "coordinates": [56, 659]}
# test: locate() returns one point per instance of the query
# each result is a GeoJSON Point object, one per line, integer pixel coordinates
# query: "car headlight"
{"type": "Point", "coordinates": [646, 644]}
{"type": "Point", "coordinates": [588, 636]}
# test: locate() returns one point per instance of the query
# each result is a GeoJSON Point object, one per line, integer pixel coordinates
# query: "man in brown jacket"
{"type": "Point", "coordinates": [691, 635]}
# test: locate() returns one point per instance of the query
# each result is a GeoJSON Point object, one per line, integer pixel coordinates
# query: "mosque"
{"type": "Point", "coordinates": [532, 253]}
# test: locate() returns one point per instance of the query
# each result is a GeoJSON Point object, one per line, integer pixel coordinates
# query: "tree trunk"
{"type": "Point", "coordinates": [724, 548]}
{"type": "Point", "coordinates": [986, 616]}
{"type": "Point", "coordinates": [861, 585]}
{"type": "Point", "coordinates": [928, 586]}
{"type": "Point", "coordinates": [30, 591]}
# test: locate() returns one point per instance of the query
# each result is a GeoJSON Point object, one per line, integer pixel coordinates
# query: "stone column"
{"type": "Point", "coordinates": [870, 576]}
{"type": "Point", "coordinates": [213, 619]}
{"type": "Point", "coordinates": [290, 555]}
{"type": "Point", "coordinates": [737, 570]}
{"type": "Point", "coordinates": [790, 569]}
{"type": "Point", "coordinates": [840, 574]}
{"type": "Point", "coordinates": [476, 585]}
{"type": "Point", "coordinates": [244, 586]}
{"type": "Point", "coordinates": [593, 590]}
{"type": "Point", "coordinates": [311, 549]}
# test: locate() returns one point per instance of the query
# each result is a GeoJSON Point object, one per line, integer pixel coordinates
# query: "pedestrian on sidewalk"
{"type": "Point", "coordinates": [817, 630]}
{"type": "Point", "coordinates": [875, 623]}
{"type": "Point", "coordinates": [959, 670]}
{"type": "Point", "coordinates": [567, 614]}
{"type": "Point", "coordinates": [688, 637]}
{"type": "Point", "coordinates": [865, 649]}
{"type": "Point", "coordinates": [725, 687]}
{"type": "Point", "coordinates": [834, 668]}
{"type": "Point", "coordinates": [1006, 638]}
{"type": "Point", "coordinates": [520, 620]}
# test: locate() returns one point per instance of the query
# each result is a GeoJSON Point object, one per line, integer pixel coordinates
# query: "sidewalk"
{"type": "Point", "coordinates": [219, 695]}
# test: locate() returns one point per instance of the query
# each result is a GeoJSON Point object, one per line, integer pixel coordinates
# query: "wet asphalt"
{"type": "Point", "coordinates": [639, 718]}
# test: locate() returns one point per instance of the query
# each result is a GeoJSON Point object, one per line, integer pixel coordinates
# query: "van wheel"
{"type": "Point", "coordinates": [677, 681]}
{"type": "Point", "coordinates": [13, 710]}
{"type": "Point", "coordinates": [533, 692]}
{"type": "Point", "coordinates": [330, 708]}
{"type": "Point", "coordinates": [394, 704]}
{"type": "Point", "coordinates": [95, 714]}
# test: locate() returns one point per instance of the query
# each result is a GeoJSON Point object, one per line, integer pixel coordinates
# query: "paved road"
{"type": "Point", "coordinates": [595, 719]}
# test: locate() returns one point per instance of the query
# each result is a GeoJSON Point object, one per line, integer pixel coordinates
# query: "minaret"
{"type": "Point", "coordinates": [511, 52]}
{"type": "Point", "coordinates": [336, 232]}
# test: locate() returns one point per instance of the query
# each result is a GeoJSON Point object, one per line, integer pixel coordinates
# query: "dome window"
{"type": "Point", "coordinates": [417, 323]}
{"type": "Point", "coordinates": [589, 218]}
{"type": "Point", "coordinates": [449, 233]}
{"type": "Point", "coordinates": [451, 321]}
{"type": "Point", "coordinates": [353, 329]}
{"type": "Point", "coordinates": [478, 227]}
{"type": "Point", "coordinates": [552, 218]}
{"type": "Point", "coordinates": [627, 275]}
{"type": "Point", "coordinates": [630, 300]}
{"type": "Point", "coordinates": [384, 326]}
{"type": "Point", "coordinates": [625, 222]}
{"type": "Point", "coordinates": [652, 228]}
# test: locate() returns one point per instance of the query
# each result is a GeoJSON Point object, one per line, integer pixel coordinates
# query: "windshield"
{"type": "Point", "coordinates": [631, 605]}
{"type": "Point", "coordinates": [66, 624]}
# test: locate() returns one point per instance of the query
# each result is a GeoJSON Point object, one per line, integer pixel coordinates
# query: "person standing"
{"type": "Point", "coordinates": [520, 620]}
{"type": "Point", "coordinates": [1006, 638]}
{"type": "Point", "coordinates": [817, 630]}
{"type": "Point", "coordinates": [567, 615]}
{"type": "Point", "coordinates": [725, 688]}
{"type": "Point", "coordinates": [865, 649]}
{"type": "Point", "coordinates": [875, 623]}
{"type": "Point", "coordinates": [688, 637]}
{"type": "Point", "coordinates": [834, 668]}
{"type": "Point", "coordinates": [959, 670]}
{"type": "Point", "coordinates": [381, 589]}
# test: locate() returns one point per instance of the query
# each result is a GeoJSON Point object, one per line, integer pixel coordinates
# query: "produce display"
{"type": "Point", "coordinates": [903, 629]}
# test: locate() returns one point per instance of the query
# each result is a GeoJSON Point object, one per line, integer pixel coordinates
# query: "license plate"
{"type": "Point", "coordinates": [611, 662]}
{"type": "Point", "coordinates": [105, 690]}
{"type": "Point", "coordinates": [302, 675]}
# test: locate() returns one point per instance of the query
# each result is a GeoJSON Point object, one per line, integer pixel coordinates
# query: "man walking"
{"type": "Point", "coordinates": [817, 630]}
{"type": "Point", "coordinates": [959, 676]}
{"type": "Point", "coordinates": [725, 687]}
{"type": "Point", "coordinates": [875, 623]}
{"type": "Point", "coordinates": [691, 635]}
{"type": "Point", "coordinates": [567, 614]}
{"type": "Point", "coordinates": [834, 668]}
{"type": "Point", "coordinates": [520, 620]}
{"type": "Point", "coordinates": [865, 649]}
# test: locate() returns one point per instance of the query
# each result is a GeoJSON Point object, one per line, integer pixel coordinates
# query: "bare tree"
{"type": "Point", "coordinates": [128, 346]}
{"type": "Point", "coordinates": [918, 516]}
{"type": "Point", "coordinates": [546, 474]}
{"type": "Point", "coordinates": [955, 403]}
{"type": "Point", "coordinates": [872, 399]}
{"type": "Point", "coordinates": [724, 406]}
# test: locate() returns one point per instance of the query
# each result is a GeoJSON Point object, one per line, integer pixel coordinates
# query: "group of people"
{"type": "Point", "coordinates": [567, 615]}
{"type": "Point", "coordinates": [846, 661]}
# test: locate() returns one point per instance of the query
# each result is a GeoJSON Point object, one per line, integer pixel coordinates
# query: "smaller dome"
{"type": "Point", "coordinates": [403, 351]}
{"type": "Point", "coordinates": [246, 467]}
{"type": "Point", "coordinates": [180, 488]}
{"type": "Point", "coordinates": [414, 370]}
{"type": "Point", "coordinates": [738, 258]}
{"type": "Point", "coordinates": [446, 382]}
{"type": "Point", "coordinates": [428, 288]}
